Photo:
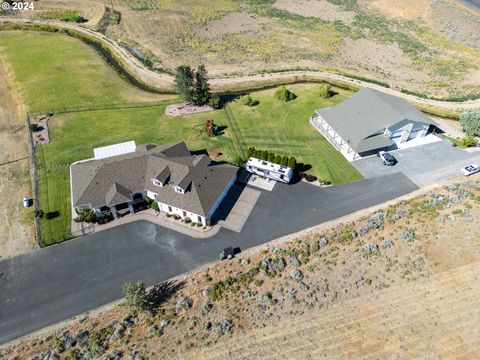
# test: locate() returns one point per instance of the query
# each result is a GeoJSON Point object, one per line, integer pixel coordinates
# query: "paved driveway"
{"type": "Point", "coordinates": [58, 282]}
{"type": "Point", "coordinates": [424, 164]}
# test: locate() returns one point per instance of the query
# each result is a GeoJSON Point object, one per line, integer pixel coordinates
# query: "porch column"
{"type": "Point", "coordinates": [114, 212]}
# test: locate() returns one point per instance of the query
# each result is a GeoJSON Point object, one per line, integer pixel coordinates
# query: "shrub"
{"type": "Point", "coordinates": [284, 94]}
{"type": "Point", "coordinates": [469, 141]}
{"type": "Point", "coordinates": [292, 163]}
{"type": "Point", "coordinates": [271, 157]}
{"type": "Point", "coordinates": [278, 160]}
{"type": "Point", "coordinates": [325, 91]}
{"type": "Point", "coordinates": [215, 102]}
{"type": "Point", "coordinates": [258, 282]}
{"type": "Point", "coordinates": [284, 160]}
{"type": "Point", "coordinates": [136, 298]}
{"type": "Point", "coordinates": [34, 127]}
{"type": "Point", "coordinates": [38, 213]}
{"type": "Point", "coordinates": [86, 215]}
{"type": "Point", "coordinates": [188, 220]}
{"type": "Point", "coordinates": [470, 121]}
{"type": "Point", "coordinates": [251, 152]}
{"type": "Point", "coordinates": [249, 101]}
{"type": "Point", "coordinates": [154, 206]}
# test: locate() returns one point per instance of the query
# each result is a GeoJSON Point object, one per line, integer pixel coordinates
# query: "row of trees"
{"type": "Point", "coordinates": [193, 86]}
{"type": "Point", "coordinates": [291, 162]}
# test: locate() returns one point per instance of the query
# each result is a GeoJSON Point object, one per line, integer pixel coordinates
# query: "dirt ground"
{"type": "Point", "coordinates": [16, 223]}
{"type": "Point", "coordinates": [316, 8]}
{"type": "Point", "coordinates": [399, 282]}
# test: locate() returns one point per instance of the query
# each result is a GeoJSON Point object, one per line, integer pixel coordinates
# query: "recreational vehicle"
{"type": "Point", "coordinates": [269, 170]}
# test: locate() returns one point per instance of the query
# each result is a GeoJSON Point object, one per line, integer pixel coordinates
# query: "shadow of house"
{"type": "Point", "coordinates": [228, 203]}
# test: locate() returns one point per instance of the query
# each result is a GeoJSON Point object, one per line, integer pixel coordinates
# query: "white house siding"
{"type": "Point", "coordinates": [181, 213]}
{"type": "Point", "coordinates": [221, 197]}
{"type": "Point", "coordinates": [327, 131]}
{"type": "Point", "coordinates": [151, 195]}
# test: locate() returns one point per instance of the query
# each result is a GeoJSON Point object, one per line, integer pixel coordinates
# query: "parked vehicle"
{"type": "Point", "coordinates": [26, 202]}
{"type": "Point", "coordinates": [227, 253]}
{"type": "Point", "coordinates": [269, 170]}
{"type": "Point", "coordinates": [470, 170]}
{"type": "Point", "coordinates": [387, 158]}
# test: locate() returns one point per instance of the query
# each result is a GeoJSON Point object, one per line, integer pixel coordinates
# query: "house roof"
{"type": "Point", "coordinates": [112, 180]}
{"type": "Point", "coordinates": [359, 118]}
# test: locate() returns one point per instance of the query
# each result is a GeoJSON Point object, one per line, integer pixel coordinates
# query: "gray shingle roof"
{"type": "Point", "coordinates": [112, 180]}
{"type": "Point", "coordinates": [367, 112]}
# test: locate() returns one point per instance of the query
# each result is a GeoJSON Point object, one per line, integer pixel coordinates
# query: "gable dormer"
{"type": "Point", "coordinates": [162, 178]}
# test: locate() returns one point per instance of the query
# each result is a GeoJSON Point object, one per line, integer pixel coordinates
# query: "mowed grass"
{"type": "Point", "coordinates": [284, 128]}
{"type": "Point", "coordinates": [53, 70]}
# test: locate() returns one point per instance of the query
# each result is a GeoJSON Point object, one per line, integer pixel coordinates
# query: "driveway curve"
{"type": "Point", "coordinates": [161, 81]}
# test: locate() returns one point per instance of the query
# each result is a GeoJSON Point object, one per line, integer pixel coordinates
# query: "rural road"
{"type": "Point", "coordinates": [55, 283]}
{"type": "Point", "coordinates": [161, 81]}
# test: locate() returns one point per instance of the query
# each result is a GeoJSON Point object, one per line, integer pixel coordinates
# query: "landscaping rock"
{"type": "Point", "coordinates": [292, 295]}
{"type": "Point", "coordinates": [276, 250]}
{"type": "Point", "coordinates": [247, 294]}
{"type": "Point", "coordinates": [118, 331]}
{"type": "Point", "coordinates": [451, 218]}
{"type": "Point", "coordinates": [376, 220]}
{"type": "Point", "coordinates": [370, 248]}
{"type": "Point", "coordinates": [224, 327]}
{"type": "Point", "coordinates": [455, 199]}
{"type": "Point", "coordinates": [266, 298]}
{"type": "Point", "coordinates": [387, 244]}
{"type": "Point", "coordinates": [204, 293]}
{"type": "Point", "coordinates": [296, 275]}
{"type": "Point", "coordinates": [323, 242]}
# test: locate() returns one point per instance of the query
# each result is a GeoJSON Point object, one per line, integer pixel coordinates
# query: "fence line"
{"type": "Point", "coordinates": [94, 107]}
{"type": "Point", "coordinates": [236, 131]}
{"type": "Point", "coordinates": [34, 180]}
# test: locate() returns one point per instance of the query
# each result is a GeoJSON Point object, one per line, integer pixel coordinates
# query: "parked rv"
{"type": "Point", "coordinates": [269, 170]}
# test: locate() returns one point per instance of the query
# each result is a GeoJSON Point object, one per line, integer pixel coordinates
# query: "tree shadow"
{"type": "Point", "coordinates": [162, 292]}
{"type": "Point", "coordinates": [52, 215]}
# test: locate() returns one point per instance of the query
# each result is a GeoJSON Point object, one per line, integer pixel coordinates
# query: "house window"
{"type": "Point", "coordinates": [184, 213]}
{"type": "Point", "coordinates": [178, 189]}
{"type": "Point", "coordinates": [199, 219]}
{"type": "Point", "coordinates": [157, 182]}
{"type": "Point", "coordinates": [169, 209]}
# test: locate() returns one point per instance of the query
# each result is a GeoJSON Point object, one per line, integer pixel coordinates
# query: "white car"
{"type": "Point", "coordinates": [470, 169]}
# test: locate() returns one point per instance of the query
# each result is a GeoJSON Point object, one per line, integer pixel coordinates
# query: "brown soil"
{"type": "Point", "coordinates": [411, 300]}
{"type": "Point", "coordinates": [321, 9]}
{"type": "Point", "coordinates": [16, 223]}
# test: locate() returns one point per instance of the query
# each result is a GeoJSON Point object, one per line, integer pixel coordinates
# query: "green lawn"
{"type": "Point", "coordinates": [53, 70]}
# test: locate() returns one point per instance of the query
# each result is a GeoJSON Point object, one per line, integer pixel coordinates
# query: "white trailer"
{"type": "Point", "coordinates": [269, 170]}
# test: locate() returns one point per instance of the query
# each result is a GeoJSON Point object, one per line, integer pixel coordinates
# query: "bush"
{"type": "Point", "coordinates": [469, 141]}
{"type": "Point", "coordinates": [86, 215]}
{"type": "Point", "coordinates": [325, 91]}
{"type": "Point", "coordinates": [251, 152]}
{"type": "Point", "coordinates": [247, 100]}
{"type": "Point", "coordinates": [188, 220]}
{"type": "Point", "coordinates": [34, 127]}
{"type": "Point", "coordinates": [284, 94]}
{"type": "Point", "coordinates": [292, 163]}
{"type": "Point", "coordinates": [39, 213]}
{"type": "Point", "coordinates": [271, 157]}
{"type": "Point", "coordinates": [278, 160]}
{"type": "Point", "coordinates": [470, 121]}
{"type": "Point", "coordinates": [284, 160]}
{"type": "Point", "coordinates": [154, 206]}
{"type": "Point", "coordinates": [136, 298]}
{"type": "Point", "coordinates": [215, 102]}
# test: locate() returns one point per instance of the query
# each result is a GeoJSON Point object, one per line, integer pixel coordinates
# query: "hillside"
{"type": "Point", "coordinates": [432, 49]}
{"type": "Point", "coordinates": [396, 282]}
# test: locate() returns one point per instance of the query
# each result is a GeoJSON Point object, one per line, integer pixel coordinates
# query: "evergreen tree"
{"type": "Point", "coordinates": [136, 297]}
{"type": "Point", "coordinates": [284, 160]}
{"type": "Point", "coordinates": [278, 160]}
{"type": "Point", "coordinates": [292, 163]}
{"type": "Point", "coordinates": [201, 87]}
{"type": "Point", "coordinates": [271, 157]}
{"type": "Point", "coordinates": [184, 82]}
{"type": "Point", "coordinates": [251, 152]}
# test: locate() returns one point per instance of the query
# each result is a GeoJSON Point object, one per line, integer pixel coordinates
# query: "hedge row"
{"type": "Point", "coordinates": [291, 162]}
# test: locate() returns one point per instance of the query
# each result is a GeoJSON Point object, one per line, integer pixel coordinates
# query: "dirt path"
{"type": "Point", "coordinates": [165, 82]}
{"type": "Point", "coordinates": [16, 225]}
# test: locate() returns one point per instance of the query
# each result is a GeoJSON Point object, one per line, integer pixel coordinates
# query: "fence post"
{"type": "Point", "coordinates": [34, 180]}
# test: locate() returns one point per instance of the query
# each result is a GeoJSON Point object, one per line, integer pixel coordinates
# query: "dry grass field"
{"type": "Point", "coordinates": [426, 46]}
{"type": "Point", "coordinates": [16, 223]}
{"type": "Point", "coordinates": [398, 282]}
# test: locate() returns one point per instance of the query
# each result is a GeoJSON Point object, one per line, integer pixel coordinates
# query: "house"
{"type": "Point", "coordinates": [190, 186]}
{"type": "Point", "coordinates": [269, 170]}
{"type": "Point", "coordinates": [370, 121]}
